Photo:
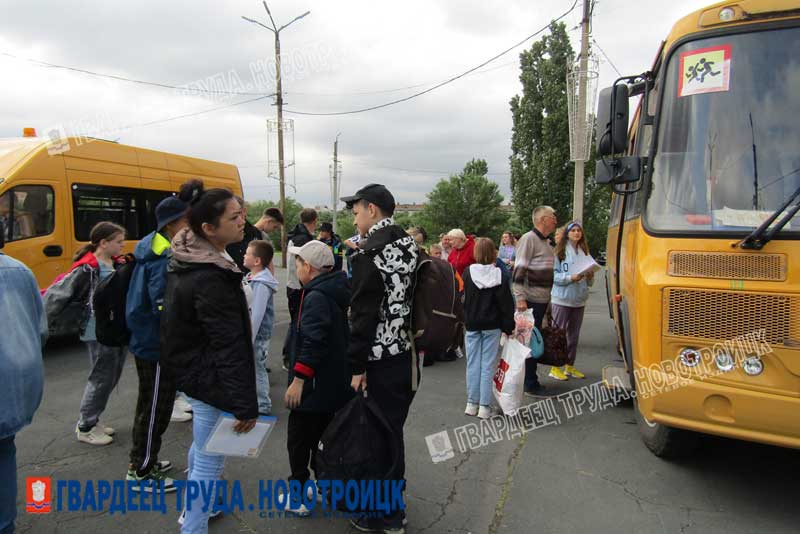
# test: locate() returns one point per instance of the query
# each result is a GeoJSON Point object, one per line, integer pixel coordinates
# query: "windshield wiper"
{"type": "Point", "coordinates": [761, 236]}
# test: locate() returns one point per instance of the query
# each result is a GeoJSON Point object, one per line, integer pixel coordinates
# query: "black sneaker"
{"type": "Point", "coordinates": [368, 524]}
{"type": "Point", "coordinates": [536, 391]}
{"type": "Point", "coordinates": [150, 481]}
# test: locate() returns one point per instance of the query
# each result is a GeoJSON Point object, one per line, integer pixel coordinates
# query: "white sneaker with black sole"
{"type": "Point", "coordinates": [182, 405]}
{"type": "Point", "coordinates": [179, 416]}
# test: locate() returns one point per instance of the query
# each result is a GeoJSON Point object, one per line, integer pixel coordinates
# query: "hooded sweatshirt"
{"type": "Point", "coordinates": [565, 292]}
{"type": "Point", "coordinates": [488, 303]}
{"type": "Point", "coordinates": [262, 310]}
{"type": "Point", "coordinates": [462, 258]}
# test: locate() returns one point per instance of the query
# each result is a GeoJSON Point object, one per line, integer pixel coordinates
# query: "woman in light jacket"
{"type": "Point", "coordinates": [570, 293]}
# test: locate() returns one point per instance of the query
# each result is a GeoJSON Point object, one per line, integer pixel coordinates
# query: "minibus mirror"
{"type": "Point", "coordinates": [623, 170]}
{"type": "Point", "coordinates": [611, 129]}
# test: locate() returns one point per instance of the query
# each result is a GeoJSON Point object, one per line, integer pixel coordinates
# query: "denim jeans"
{"type": "Point", "coordinates": [482, 347]}
{"type": "Point", "coordinates": [261, 347]}
{"type": "Point", "coordinates": [8, 484]}
{"type": "Point", "coordinates": [202, 466]}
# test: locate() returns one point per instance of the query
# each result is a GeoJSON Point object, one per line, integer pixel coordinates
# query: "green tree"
{"type": "Point", "coordinates": [541, 172]}
{"type": "Point", "coordinates": [468, 200]}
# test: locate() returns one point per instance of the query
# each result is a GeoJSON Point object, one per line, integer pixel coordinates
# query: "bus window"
{"type": "Point", "coordinates": [27, 211]}
{"type": "Point", "coordinates": [95, 203]}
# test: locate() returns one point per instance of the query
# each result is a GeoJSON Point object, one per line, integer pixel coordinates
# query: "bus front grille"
{"type": "Point", "coordinates": [721, 315]}
{"type": "Point", "coordinates": [728, 265]}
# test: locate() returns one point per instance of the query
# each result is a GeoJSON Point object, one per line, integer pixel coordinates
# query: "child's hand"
{"type": "Point", "coordinates": [294, 394]}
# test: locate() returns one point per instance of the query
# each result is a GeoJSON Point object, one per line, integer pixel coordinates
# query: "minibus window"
{"type": "Point", "coordinates": [93, 204]}
{"type": "Point", "coordinates": [27, 211]}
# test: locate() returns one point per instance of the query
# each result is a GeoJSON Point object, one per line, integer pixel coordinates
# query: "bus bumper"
{"type": "Point", "coordinates": [727, 411]}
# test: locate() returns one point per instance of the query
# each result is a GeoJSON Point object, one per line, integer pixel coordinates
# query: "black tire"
{"type": "Point", "coordinates": [665, 441]}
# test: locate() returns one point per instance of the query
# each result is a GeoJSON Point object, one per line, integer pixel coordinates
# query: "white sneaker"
{"type": "Point", "coordinates": [182, 405]}
{"type": "Point", "coordinates": [179, 416]}
{"type": "Point", "coordinates": [95, 436]}
{"type": "Point", "coordinates": [106, 429]}
{"type": "Point", "coordinates": [300, 511]}
{"type": "Point", "coordinates": [485, 412]}
{"type": "Point", "coordinates": [471, 409]}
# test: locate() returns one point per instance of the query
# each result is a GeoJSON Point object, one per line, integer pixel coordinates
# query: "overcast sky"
{"type": "Point", "coordinates": [343, 56]}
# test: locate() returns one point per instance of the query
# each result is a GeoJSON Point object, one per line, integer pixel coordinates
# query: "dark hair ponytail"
{"type": "Point", "coordinates": [205, 206]}
{"type": "Point", "coordinates": [104, 230]}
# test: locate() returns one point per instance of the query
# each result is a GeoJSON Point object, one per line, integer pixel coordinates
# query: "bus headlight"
{"type": "Point", "coordinates": [689, 357]}
{"type": "Point", "coordinates": [724, 361]}
{"type": "Point", "coordinates": [753, 365]}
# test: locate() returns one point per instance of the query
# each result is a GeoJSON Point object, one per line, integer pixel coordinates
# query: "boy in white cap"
{"type": "Point", "coordinates": [319, 375]}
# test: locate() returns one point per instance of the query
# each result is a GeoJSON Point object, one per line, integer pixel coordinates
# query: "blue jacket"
{"type": "Point", "coordinates": [24, 330]}
{"type": "Point", "coordinates": [262, 311]}
{"type": "Point", "coordinates": [145, 300]}
{"type": "Point", "coordinates": [565, 292]}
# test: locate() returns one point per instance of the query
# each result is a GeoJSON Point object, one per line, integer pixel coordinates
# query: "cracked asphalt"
{"type": "Point", "coordinates": [589, 474]}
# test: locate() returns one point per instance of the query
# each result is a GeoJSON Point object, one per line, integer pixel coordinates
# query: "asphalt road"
{"type": "Point", "coordinates": [590, 473]}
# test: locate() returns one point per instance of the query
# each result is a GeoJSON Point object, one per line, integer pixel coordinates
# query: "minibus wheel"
{"type": "Point", "coordinates": [665, 441]}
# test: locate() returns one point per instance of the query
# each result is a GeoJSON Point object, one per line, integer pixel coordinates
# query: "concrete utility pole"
{"type": "Point", "coordinates": [279, 102]}
{"type": "Point", "coordinates": [335, 183]}
{"type": "Point", "coordinates": [577, 198]}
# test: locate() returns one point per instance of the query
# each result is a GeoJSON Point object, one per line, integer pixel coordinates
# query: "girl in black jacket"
{"type": "Point", "coordinates": [489, 311]}
{"type": "Point", "coordinates": [205, 330]}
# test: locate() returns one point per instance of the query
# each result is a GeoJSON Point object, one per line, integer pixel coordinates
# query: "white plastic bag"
{"type": "Point", "coordinates": [509, 379]}
{"type": "Point", "coordinates": [523, 326]}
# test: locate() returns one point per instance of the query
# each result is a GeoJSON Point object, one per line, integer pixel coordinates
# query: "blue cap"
{"type": "Point", "coordinates": [168, 210]}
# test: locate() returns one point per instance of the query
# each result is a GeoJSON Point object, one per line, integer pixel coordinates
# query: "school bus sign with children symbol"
{"type": "Point", "coordinates": [707, 70]}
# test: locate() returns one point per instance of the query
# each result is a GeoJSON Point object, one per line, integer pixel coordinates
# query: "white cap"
{"type": "Point", "coordinates": [316, 253]}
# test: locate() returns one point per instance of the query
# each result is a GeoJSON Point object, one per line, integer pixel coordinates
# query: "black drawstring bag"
{"type": "Point", "coordinates": [358, 444]}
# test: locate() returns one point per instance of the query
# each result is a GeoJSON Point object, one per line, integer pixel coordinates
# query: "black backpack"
{"type": "Point", "coordinates": [358, 444]}
{"type": "Point", "coordinates": [437, 306]}
{"type": "Point", "coordinates": [108, 303]}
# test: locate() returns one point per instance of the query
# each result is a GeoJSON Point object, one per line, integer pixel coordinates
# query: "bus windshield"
{"type": "Point", "coordinates": [728, 150]}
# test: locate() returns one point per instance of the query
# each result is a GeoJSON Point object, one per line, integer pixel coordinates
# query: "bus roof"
{"type": "Point", "coordinates": [745, 12]}
{"type": "Point", "coordinates": [15, 152]}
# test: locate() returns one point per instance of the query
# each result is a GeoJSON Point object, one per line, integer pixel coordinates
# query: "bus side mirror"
{"type": "Point", "coordinates": [612, 120]}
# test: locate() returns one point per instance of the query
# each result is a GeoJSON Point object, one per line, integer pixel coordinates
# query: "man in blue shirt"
{"type": "Point", "coordinates": [24, 330]}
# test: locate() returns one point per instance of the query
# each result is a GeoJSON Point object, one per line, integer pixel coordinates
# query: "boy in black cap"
{"type": "Point", "coordinates": [143, 316]}
{"type": "Point", "coordinates": [327, 236]}
{"type": "Point", "coordinates": [380, 322]}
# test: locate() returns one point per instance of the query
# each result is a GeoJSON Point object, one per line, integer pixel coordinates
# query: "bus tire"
{"type": "Point", "coordinates": [665, 441]}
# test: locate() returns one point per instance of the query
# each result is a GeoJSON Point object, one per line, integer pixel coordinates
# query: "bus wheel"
{"type": "Point", "coordinates": [665, 441]}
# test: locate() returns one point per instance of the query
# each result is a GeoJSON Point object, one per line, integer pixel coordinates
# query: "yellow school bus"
{"type": "Point", "coordinates": [703, 246]}
{"type": "Point", "coordinates": [52, 192]}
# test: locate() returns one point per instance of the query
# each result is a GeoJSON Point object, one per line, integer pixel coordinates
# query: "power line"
{"type": "Point", "coordinates": [606, 56]}
{"type": "Point", "coordinates": [383, 91]}
{"type": "Point", "coordinates": [449, 80]}
{"type": "Point", "coordinates": [168, 119]}
{"type": "Point", "coordinates": [131, 80]}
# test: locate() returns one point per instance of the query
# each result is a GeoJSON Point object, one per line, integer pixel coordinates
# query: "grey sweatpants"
{"type": "Point", "coordinates": [106, 367]}
{"type": "Point", "coordinates": [570, 319]}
